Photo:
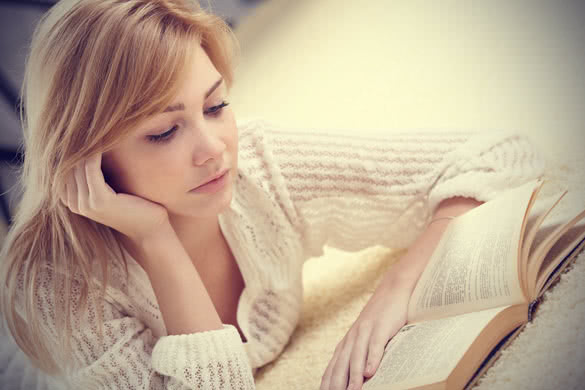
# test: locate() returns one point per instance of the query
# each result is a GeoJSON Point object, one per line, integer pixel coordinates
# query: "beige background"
{"type": "Point", "coordinates": [383, 65]}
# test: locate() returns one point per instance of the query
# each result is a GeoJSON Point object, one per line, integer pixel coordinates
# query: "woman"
{"type": "Point", "coordinates": [159, 242]}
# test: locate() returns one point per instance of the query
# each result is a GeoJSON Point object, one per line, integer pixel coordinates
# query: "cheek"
{"type": "Point", "coordinates": [233, 138]}
{"type": "Point", "coordinates": [160, 177]}
{"type": "Point", "coordinates": [155, 177]}
{"type": "Point", "coordinates": [234, 147]}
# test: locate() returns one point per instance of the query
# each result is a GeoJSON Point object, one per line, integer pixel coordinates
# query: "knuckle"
{"type": "Point", "coordinates": [82, 207]}
{"type": "Point", "coordinates": [364, 326]}
{"type": "Point", "coordinates": [378, 337]}
{"type": "Point", "coordinates": [338, 377]}
{"type": "Point", "coordinates": [95, 202]}
{"type": "Point", "coordinates": [354, 372]}
{"type": "Point", "coordinates": [336, 384]}
{"type": "Point", "coordinates": [355, 355]}
{"type": "Point", "coordinates": [375, 351]}
{"type": "Point", "coordinates": [373, 355]}
{"type": "Point", "coordinates": [374, 343]}
{"type": "Point", "coordinates": [356, 364]}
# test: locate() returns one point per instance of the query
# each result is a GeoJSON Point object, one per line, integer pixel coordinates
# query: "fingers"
{"type": "Point", "coordinates": [63, 194]}
{"type": "Point", "coordinates": [98, 188]}
{"type": "Point", "coordinates": [331, 378]}
{"type": "Point", "coordinates": [71, 190]}
{"type": "Point", "coordinates": [340, 373]}
{"type": "Point", "coordinates": [358, 356]}
{"type": "Point", "coordinates": [326, 379]}
{"type": "Point", "coordinates": [376, 346]}
{"type": "Point", "coordinates": [82, 189]}
{"type": "Point", "coordinates": [348, 360]}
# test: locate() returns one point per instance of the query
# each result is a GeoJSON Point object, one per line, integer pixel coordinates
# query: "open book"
{"type": "Point", "coordinates": [480, 288]}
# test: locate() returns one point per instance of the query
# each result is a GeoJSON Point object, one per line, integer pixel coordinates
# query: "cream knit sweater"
{"type": "Point", "coordinates": [296, 191]}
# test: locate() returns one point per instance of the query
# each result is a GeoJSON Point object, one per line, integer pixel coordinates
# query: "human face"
{"type": "Point", "coordinates": [197, 139]}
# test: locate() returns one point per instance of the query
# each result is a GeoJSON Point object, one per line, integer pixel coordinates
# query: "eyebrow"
{"type": "Point", "coordinates": [180, 106]}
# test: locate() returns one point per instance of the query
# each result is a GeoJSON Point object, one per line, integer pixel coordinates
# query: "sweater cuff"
{"type": "Point", "coordinates": [482, 187]}
{"type": "Point", "coordinates": [487, 166]}
{"type": "Point", "coordinates": [210, 359]}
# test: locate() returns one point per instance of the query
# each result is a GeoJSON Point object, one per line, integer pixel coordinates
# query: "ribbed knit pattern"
{"type": "Point", "coordinates": [296, 191]}
{"type": "Point", "coordinates": [356, 191]}
{"type": "Point", "coordinates": [217, 360]}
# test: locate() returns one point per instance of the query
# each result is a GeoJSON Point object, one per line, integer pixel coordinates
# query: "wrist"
{"type": "Point", "coordinates": [453, 207]}
{"type": "Point", "coordinates": [156, 249]}
{"type": "Point", "coordinates": [396, 284]}
{"type": "Point", "coordinates": [443, 220]}
{"type": "Point", "coordinates": [158, 241]}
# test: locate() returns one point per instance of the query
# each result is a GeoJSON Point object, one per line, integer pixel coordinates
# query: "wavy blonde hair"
{"type": "Point", "coordinates": [95, 70]}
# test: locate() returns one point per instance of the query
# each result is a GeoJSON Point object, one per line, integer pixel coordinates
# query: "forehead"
{"type": "Point", "coordinates": [197, 80]}
{"type": "Point", "coordinates": [200, 73]}
{"type": "Point", "coordinates": [194, 85]}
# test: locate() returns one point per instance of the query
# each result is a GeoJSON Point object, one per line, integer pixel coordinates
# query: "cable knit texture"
{"type": "Point", "coordinates": [295, 191]}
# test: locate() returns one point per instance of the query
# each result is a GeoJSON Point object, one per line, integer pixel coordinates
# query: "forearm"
{"type": "Point", "coordinates": [183, 300]}
{"type": "Point", "coordinates": [406, 272]}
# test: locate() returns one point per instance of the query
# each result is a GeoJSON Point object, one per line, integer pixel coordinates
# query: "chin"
{"type": "Point", "coordinates": [205, 207]}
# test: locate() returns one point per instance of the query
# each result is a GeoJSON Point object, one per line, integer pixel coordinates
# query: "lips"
{"type": "Point", "coordinates": [220, 174]}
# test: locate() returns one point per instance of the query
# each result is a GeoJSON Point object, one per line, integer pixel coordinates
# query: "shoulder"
{"type": "Point", "coordinates": [254, 152]}
{"type": "Point", "coordinates": [261, 185]}
{"type": "Point", "coordinates": [250, 126]}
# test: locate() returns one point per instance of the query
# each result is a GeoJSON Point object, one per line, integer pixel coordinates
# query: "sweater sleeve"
{"type": "Point", "coordinates": [131, 357]}
{"type": "Point", "coordinates": [353, 191]}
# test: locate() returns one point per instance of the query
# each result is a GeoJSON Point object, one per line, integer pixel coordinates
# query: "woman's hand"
{"type": "Point", "coordinates": [86, 193]}
{"type": "Point", "coordinates": [359, 353]}
{"type": "Point", "coordinates": [183, 300]}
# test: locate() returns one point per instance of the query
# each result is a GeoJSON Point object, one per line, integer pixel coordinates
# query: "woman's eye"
{"type": "Point", "coordinates": [166, 136]}
{"type": "Point", "coordinates": [217, 110]}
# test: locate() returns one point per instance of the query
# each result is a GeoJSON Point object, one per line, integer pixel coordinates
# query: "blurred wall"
{"type": "Point", "coordinates": [402, 64]}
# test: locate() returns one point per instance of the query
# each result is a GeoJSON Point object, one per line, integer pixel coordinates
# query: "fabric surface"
{"type": "Point", "coordinates": [296, 191]}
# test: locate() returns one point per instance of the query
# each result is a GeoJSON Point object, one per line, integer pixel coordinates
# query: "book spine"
{"type": "Point", "coordinates": [532, 308]}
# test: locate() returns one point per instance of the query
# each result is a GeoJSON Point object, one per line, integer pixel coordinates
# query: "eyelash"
{"type": "Point", "coordinates": [214, 111]}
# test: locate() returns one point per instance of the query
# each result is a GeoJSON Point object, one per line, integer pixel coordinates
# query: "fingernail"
{"type": "Point", "coordinates": [369, 367]}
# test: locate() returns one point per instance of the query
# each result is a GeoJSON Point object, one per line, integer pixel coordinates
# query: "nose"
{"type": "Point", "coordinates": [207, 144]}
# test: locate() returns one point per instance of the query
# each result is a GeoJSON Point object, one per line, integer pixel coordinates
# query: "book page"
{"type": "Point", "coordinates": [427, 352]}
{"type": "Point", "coordinates": [560, 256]}
{"type": "Point", "coordinates": [475, 264]}
{"type": "Point", "coordinates": [546, 253]}
{"type": "Point", "coordinates": [537, 213]}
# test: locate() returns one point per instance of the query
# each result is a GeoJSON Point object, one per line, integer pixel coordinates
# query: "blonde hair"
{"type": "Point", "coordinates": [95, 70]}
